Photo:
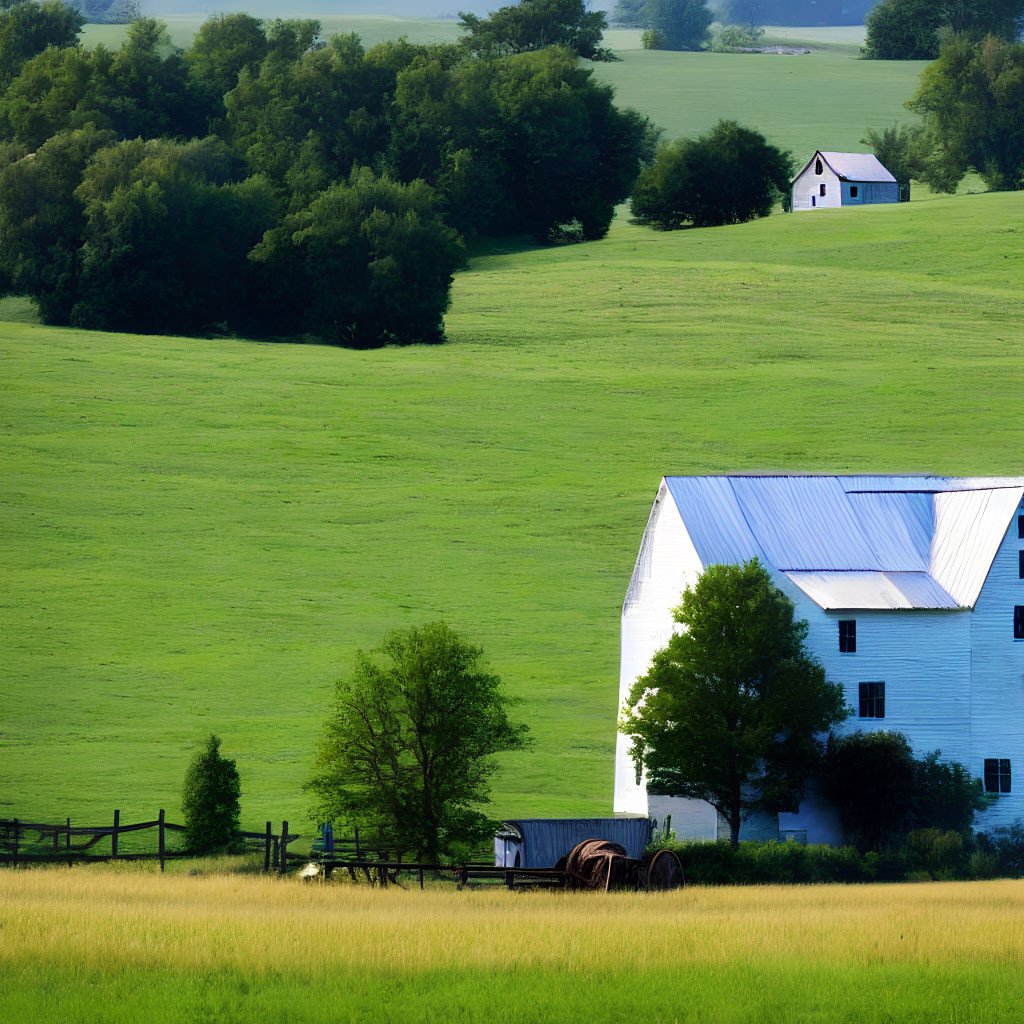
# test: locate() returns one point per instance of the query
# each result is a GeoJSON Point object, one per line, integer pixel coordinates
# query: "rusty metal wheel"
{"type": "Point", "coordinates": [665, 872]}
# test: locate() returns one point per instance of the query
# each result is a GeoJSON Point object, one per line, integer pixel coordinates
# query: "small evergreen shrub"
{"type": "Point", "coordinates": [210, 801]}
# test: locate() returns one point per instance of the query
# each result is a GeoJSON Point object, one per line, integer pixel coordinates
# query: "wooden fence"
{"type": "Point", "coordinates": [53, 842]}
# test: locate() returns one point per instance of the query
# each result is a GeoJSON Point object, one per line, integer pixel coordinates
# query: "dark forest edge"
{"type": "Point", "coordinates": [266, 183]}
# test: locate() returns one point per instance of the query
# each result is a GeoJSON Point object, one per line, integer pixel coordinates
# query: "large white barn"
{"type": "Point", "coordinates": [829, 180]}
{"type": "Point", "coordinates": [913, 590]}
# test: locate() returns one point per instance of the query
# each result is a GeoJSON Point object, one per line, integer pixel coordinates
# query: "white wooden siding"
{"type": "Point", "coordinates": [997, 684]}
{"type": "Point", "coordinates": [808, 186]}
{"type": "Point", "coordinates": [666, 565]}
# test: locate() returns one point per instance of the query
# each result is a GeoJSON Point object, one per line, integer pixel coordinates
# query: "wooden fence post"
{"type": "Point", "coordinates": [421, 876]}
{"type": "Point", "coordinates": [113, 837]}
{"type": "Point", "coordinates": [357, 843]}
{"type": "Point", "coordinates": [15, 842]}
{"type": "Point", "coordinates": [284, 846]}
{"type": "Point", "coordinates": [67, 838]}
{"type": "Point", "coordinates": [266, 849]}
{"type": "Point", "coordinates": [161, 839]}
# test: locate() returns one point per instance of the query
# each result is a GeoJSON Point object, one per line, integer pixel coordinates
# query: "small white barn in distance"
{"type": "Point", "coordinates": [843, 179]}
{"type": "Point", "coordinates": [913, 590]}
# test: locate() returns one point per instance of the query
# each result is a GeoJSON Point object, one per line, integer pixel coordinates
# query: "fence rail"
{"type": "Point", "coordinates": [53, 842]}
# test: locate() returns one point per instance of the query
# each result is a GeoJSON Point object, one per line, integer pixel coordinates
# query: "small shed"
{"type": "Point", "coordinates": [829, 180]}
{"type": "Point", "coordinates": [543, 842]}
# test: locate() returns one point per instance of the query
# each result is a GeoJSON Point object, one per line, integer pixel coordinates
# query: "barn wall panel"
{"type": "Point", "coordinates": [667, 564]}
{"type": "Point", "coordinates": [997, 705]}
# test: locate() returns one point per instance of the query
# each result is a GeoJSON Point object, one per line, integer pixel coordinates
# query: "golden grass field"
{"type": "Point", "coordinates": [113, 944]}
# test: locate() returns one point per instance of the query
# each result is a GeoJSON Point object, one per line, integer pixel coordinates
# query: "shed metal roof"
{"type": "Point", "coordinates": [857, 166]}
{"type": "Point", "coordinates": [855, 542]}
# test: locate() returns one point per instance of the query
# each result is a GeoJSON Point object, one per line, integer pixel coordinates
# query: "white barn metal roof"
{"type": "Point", "coordinates": [853, 166]}
{"type": "Point", "coordinates": [858, 541]}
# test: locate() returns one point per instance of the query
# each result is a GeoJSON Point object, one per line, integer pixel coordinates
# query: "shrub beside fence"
{"type": "Point", "coordinates": [923, 855]}
{"type": "Point", "coordinates": [31, 842]}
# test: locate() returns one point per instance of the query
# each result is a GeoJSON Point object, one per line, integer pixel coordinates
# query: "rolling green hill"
{"type": "Point", "coordinates": [197, 534]}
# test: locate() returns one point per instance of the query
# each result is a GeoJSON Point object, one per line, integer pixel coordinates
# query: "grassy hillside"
{"type": "Point", "coordinates": [197, 534]}
{"type": "Point", "coordinates": [820, 100]}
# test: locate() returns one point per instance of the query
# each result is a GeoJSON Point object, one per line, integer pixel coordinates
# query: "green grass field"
{"type": "Point", "coordinates": [114, 947]}
{"type": "Point", "coordinates": [197, 534]}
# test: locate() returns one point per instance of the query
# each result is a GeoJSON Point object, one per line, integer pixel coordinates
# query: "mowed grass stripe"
{"type": "Point", "coordinates": [114, 945]}
{"type": "Point", "coordinates": [197, 534]}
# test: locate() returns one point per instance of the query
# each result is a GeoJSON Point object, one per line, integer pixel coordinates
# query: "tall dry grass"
{"type": "Point", "coordinates": [122, 945]}
{"type": "Point", "coordinates": [113, 920]}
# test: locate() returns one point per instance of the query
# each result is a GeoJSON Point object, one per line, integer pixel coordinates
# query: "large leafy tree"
{"type": "Point", "coordinates": [972, 103]}
{"type": "Point", "coordinates": [679, 24]}
{"type": "Point", "coordinates": [730, 710]}
{"type": "Point", "coordinates": [368, 262]}
{"type": "Point", "coordinates": [882, 791]}
{"type": "Point", "coordinates": [535, 24]}
{"type": "Point", "coordinates": [408, 746]}
{"type": "Point", "coordinates": [42, 222]}
{"type": "Point", "coordinates": [732, 174]}
{"type": "Point", "coordinates": [168, 227]}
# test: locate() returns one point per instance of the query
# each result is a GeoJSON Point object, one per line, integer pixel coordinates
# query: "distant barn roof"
{"type": "Point", "coordinates": [857, 166]}
{"type": "Point", "coordinates": [855, 541]}
{"type": "Point", "coordinates": [853, 166]}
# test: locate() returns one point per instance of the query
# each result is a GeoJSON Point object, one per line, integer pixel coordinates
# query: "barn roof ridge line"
{"type": "Point", "coordinates": [855, 541]}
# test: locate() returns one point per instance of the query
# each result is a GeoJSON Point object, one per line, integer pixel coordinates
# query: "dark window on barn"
{"type": "Point", "coordinates": [1020, 567]}
{"type": "Point", "coordinates": [817, 167]}
{"type": "Point", "coordinates": [854, 191]}
{"type": "Point", "coordinates": [822, 187]}
{"type": "Point", "coordinates": [997, 775]}
{"type": "Point", "coordinates": [1018, 622]}
{"type": "Point", "coordinates": [872, 700]}
{"type": "Point", "coordinates": [847, 636]}
{"type": "Point", "coordinates": [1020, 527]}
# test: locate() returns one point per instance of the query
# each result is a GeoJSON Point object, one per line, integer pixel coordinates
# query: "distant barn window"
{"type": "Point", "coordinates": [822, 187]}
{"type": "Point", "coordinates": [853, 191]}
{"type": "Point", "coordinates": [1018, 622]}
{"type": "Point", "coordinates": [1020, 568]}
{"type": "Point", "coordinates": [872, 700]}
{"type": "Point", "coordinates": [817, 167]}
{"type": "Point", "coordinates": [997, 775]}
{"type": "Point", "coordinates": [1020, 527]}
{"type": "Point", "coordinates": [847, 636]}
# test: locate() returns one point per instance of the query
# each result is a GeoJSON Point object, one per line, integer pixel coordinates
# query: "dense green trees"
{"type": "Point", "coordinates": [29, 28]}
{"type": "Point", "coordinates": [536, 24]}
{"type": "Point", "coordinates": [728, 176]}
{"type": "Point", "coordinates": [367, 262]}
{"type": "Point", "coordinates": [729, 710]}
{"type": "Point", "coordinates": [972, 103]}
{"type": "Point", "coordinates": [900, 148]}
{"type": "Point", "coordinates": [341, 172]}
{"type": "Point", "coordinates": [882, 792]}
{"type": "Point", "coordinates": [913, 29]}
{"type": "Point", "coordinates": [408, 747]}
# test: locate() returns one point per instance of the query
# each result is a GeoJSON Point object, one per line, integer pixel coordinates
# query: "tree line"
{"type": "Point", "coordinates": [268, 182]}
